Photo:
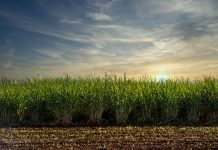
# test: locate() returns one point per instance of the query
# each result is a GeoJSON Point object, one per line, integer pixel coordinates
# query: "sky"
{"type": "Point", "coordinates": [92, 37]}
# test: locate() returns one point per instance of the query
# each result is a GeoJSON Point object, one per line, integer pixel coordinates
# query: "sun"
{"type": "Point", "coordinates": [161, 77]}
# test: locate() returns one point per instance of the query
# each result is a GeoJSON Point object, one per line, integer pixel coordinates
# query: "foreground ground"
{"type": "Point", "coordinates": [128, 137]}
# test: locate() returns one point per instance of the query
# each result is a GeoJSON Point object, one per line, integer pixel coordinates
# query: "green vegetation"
{"type": "Point", "coordinates": [108, 99]}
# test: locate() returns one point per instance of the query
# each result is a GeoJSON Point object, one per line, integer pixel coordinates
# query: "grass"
{"type": "Point", "coordinates": [108, 99]}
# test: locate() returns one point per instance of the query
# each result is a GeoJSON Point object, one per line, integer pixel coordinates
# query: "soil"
{"type": "Point", "coordinates": [113, 137]}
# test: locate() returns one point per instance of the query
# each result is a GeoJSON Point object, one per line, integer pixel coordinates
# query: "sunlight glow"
{"type": "Point", "coordinates": [160, 77]}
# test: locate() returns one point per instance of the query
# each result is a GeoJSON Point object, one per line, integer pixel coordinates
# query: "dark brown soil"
{"type": "Point", "coordinates": [109, 138]}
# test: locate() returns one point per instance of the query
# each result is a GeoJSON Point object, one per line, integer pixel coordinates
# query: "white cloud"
{"type": "Point", "coordinates": [112, 26]}
{"type": "Point", "coordinates": [7, 54]}
{"type": "Point", "coordinates": [30, 24]}
{"type": "Point", "coordinates": [72, 21]}
{"type": "Point", "coordinates": [99, 16]}
{"type": "Point", "coordinates": [50, 52]}
{"type": "Point", "coordinates": [196, 8]}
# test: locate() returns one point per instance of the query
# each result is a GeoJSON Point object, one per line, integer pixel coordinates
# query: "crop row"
{"type": "Point", "coordinates": [108, 99]}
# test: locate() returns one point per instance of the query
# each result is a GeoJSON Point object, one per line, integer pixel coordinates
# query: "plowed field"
{"type": "Point", "coordinates": [129, 137]}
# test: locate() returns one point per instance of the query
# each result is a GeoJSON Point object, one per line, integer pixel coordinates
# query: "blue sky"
{"type": "Point", "coordinates": [80, 37]}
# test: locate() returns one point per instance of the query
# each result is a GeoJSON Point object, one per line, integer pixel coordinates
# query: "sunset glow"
{"type": "Point", "coordinates": [160, 77]}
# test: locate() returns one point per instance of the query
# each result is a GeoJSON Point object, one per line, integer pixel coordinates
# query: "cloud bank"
{"type": "Point", "coordinates": [92, 37]}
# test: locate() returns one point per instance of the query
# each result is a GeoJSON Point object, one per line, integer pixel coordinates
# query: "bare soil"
{"type": "Point", "coordinates": [129, 137]}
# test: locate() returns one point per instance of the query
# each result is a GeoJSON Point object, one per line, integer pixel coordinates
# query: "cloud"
{"type": "Point", "coordinates": [99, 16]}
{"type": "Point", "coordinates": [137, 37]}
{"type": "Point", "coordinates": [7, 54]}
{"type": "Point", "coordinates": [193, 8]}
{"type": "Point", "coordinates": [197, 8]}
{"type": "Point", "coordinates": [112, 26]}
{"type": "Point", "coordinates": [72, 21]}
{"type": "Point", "coordinates": [50, 53]}
{"type": "Point", "coordinates": [30, 24]}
